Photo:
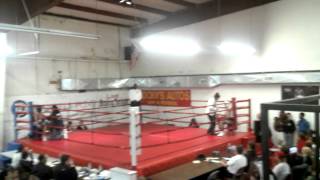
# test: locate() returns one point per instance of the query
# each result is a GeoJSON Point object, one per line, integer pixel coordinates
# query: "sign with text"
{"type": "Point", "coordinates": [180, 98]}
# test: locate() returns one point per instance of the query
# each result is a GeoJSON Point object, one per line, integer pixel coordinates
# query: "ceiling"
{"type": "Point", "coordinates": [143, 12]}
{"type": "Point", "coordinates": [145, 17]}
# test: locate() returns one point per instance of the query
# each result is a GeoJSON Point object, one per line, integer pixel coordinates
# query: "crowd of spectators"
{"type": "Point", "coordinates": [24, 166]}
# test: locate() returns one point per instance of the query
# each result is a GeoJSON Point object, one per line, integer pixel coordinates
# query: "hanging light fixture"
{"type": "Point", "coordinates": [126, 2]}
{"type": "Point", "coordinates": [20, 28]}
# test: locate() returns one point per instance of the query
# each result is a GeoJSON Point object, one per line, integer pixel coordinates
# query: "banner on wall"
{"type": "Point", "coordinates": [180, 98]}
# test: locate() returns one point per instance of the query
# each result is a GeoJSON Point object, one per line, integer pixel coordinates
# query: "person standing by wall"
{"type": "Point", "coordinates": [289, 128]}
{"type": "Point", "coordinates": [303, 124]}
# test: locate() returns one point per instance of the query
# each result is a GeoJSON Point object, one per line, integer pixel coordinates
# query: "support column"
{"type": "Point", "coordinates": [316, 119]}
{"type": "Point", "coordinates": [265, 144]}
{"type": "Point", "coordinates": [3, 43]}
{"type": "Point", "coordinates": [250, 119]}
{"type": "Point", "coordinates": [235, 115]}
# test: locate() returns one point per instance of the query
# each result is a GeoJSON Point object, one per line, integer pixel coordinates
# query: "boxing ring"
{"type": "Point", "coordinates": [166, 139]}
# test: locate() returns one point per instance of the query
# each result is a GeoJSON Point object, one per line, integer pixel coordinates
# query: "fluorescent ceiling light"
{"type": "Point", "coordinates": [29, 53]}
{"type": "Point", "coordinates": [19, 28]}
{"type": "Point", "coordinates": [236, 49]}
{"type": "Point", "coordinates": [170, 45]}
{"type": "Point", "coordinates": [127, 2]}
{"type": "Point", "coordinates": [5, 50]}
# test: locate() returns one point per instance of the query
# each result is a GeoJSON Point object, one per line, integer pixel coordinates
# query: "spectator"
{"type": "Point", "coordinates": [288, 130]}
{"type": "Point", "coordinates": [301, 142]}
{"type": "Point", "coordinates": [69, 126]}
{"type": "Point", "coordinates": [65, 170]}
{"type": "Point", "coordinates": [313, 135]}
{"type": "Point", "coordinates": [25, 166]}
{"type": "Point", "coordinates": [294, 158]}
{"type": "Point", "coordinates": [303, 125]}
{"type": "Point", "coordinates": [309, 144]}
{"type": "Point", "coordinates": [236, 163]}
{"type": "Point", "coordinates": [251, 152]}
{"type": "Point", "coordinates": [251, 156]}
{"type": "Point", "coordinates": [81, 126]}
{"type": "Point", "coordinates": [194, 123]}
{"type": "Point", "coordinates": [41, 170]}
{"type": "Point", "coordinates": [282, 169]}
{"type": "Point", "coordinates": [258, 131]}
{"type": "Point", "coordinates": [278, 121]}
{"type": "Point", "coordinates": [307, 158]}
{"type": "Point", "coordinates": [17, 157]}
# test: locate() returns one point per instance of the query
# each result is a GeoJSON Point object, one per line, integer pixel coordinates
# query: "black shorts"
{"type": "Point", "coordinates": [135, 103]}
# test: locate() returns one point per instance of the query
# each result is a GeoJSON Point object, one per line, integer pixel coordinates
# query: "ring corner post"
{"type": "Point", "coordinates": [30, 113]}
{"type": "Point", "coordinates": [15, 117]}
{"type": "Point", "coordinates": [234, 112]}
{"type": "Point", "coordinates": [135, 136]}
{"type": "Point", "coordinates": [250, 116]}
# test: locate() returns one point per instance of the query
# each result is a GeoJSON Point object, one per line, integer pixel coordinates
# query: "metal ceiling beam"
{"type": "Point", "coordinates": [85, 19]}
{"type": "Point", "coordinates": [201, 12]}
{"type": "Point", "coordinates": [12, 11]}
{"type": "Point", "coordinates": [101, 12]}
{"type": "Point", "coordinates": [140, 7]}
{"type": "Point", "coordinates": [182, 3]}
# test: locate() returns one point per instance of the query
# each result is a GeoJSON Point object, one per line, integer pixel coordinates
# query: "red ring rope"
{"type": "Point", "coordinates": [97, 114]}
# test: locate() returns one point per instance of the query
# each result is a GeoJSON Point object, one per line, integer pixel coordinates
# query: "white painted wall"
{"type": "Point", "coordinates": [65, 57]}
{"type": "Point", "coordinates": [108, 46]}
{"type": "Point", "coordinates": [285, 34]}
{"type": "Point", "coordinates": [28, 78]}
{"type": "Point", "coordinates": [33, 76]}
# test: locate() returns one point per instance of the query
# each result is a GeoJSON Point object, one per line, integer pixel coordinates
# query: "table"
{"type": "Point", "coordinates": [187, 171]}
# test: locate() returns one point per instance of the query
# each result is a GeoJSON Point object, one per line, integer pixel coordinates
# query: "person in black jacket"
{"type": "Point", "coordinates": [41, 170]}
{"type": "Point", "coordinates": [25, 166]}
{"type": "Point", "coordinates": [56, 123]}
{"type": "Point", "coordinates": [294, 159]}
{"type": "Point", "coordinates": [65, 170]}
{"type": "Point", "coordinates": [288, 129]}
{"type": "Point", "coordinates": [251, 152]}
